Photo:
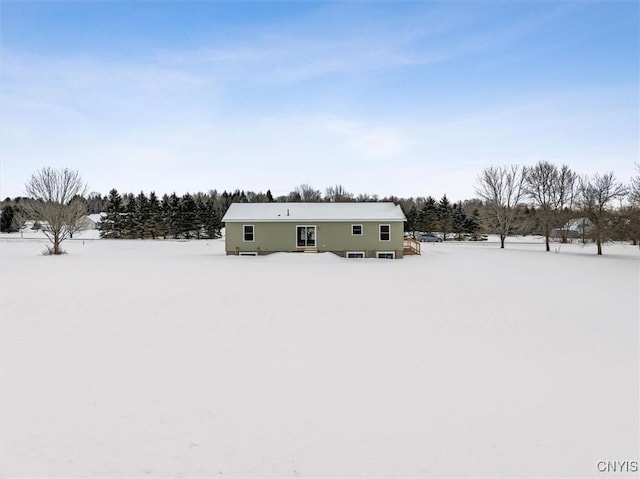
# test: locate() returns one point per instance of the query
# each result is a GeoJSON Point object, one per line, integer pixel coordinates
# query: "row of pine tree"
{"type": "Point", "coordinates": [199, 216]}
{"type": "Point", "coordinates": [142, 216]}
{"type": "Point", "coordinates": [443, 217]}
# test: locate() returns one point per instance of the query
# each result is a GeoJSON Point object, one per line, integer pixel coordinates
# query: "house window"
{"type": "Point", "coordinates": [247, 253]}
{"type": "Point", "coordinates": [386, 255]}
{"type": "Point", "coordinates": [355, 254]}
{"type": "Point", "coordinates": [247, 233]}
{"type": "Point", "coordinates": [385, 233]}
{"type": "Point", "coordinates": [356, 230]}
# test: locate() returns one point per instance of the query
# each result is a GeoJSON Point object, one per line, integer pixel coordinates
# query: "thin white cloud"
{"type": "Point", "coordinates": [177, 120]}
{"type": "Point", "coordinates": [295, 54]}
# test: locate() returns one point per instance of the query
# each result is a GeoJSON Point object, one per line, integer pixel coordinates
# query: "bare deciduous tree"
{"type": "Point", "coordinates": [568, 183]}
{"type": "Point", "coordinates": [501, 188]}
{"type": "Point", "coordinates": [19, 220]}
{"type": "Point", "coordinates": [596, 193]}
{"type": "Point", "coordinates": [305, 192]}
{"type": "Point", "coordinates": [541, 185]}
{"type": "Point", "coordinates": [55, 201]}
{"type": "Point", "coordinates": [634, 209]}
{"type": "Point", "coordinates": [634, 190]}
{"type": "Point", "coordinates": [366, 197]}
{"type": "Point", "coordinates": [551, 189]}
{"type": "Point", "coordinates": [338, 193]}
{"type": "Point", "coordinates": [82, 223]}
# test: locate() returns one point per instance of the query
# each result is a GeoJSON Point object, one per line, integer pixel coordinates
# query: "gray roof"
{"type": "Point", "coordinates": [97, 217]}
{"type": "Point", "coordinates": [295, 212]}
{"type": "Point", "coordinates": [579, 224]}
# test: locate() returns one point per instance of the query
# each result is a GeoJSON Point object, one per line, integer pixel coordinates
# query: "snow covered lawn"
{"type": "Point", "coordinates": [170, 359]}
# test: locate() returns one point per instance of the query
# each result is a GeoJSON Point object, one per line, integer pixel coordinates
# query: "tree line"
{"type": "Point", "coordinates": [512, 199]}
{"type": "Point", "coordinates": [428, 215]}
{"type": "Point", "coordinates": [141, 216]}
{"type": "Point", "coordinates": [560, 194]}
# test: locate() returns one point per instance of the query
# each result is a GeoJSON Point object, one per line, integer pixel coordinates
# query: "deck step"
{"type": "Point", "coordinates": [411, 246]}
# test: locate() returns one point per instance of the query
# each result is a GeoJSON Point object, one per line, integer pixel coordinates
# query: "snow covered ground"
{"type": "Point", "coordinates": [170, 359]}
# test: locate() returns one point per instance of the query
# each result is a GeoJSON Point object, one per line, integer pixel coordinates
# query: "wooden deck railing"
{"type": "Point", "coordinates": [412, 246]}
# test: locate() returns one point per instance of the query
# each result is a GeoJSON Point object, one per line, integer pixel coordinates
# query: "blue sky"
{"type": "Point", "coordinates": [411, 98]}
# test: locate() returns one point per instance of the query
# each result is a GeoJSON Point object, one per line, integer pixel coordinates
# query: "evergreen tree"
{"type": "Point", "coordinates": [472, 224]}
{"type": "Point", "coordinates": [154, 221]}
{"type": "Point", "coordinates": [413, 219]}
{"type": "Point", "coordinates": [142, 216]}
{"type": "Point", "coordinates": [6, 220]}
{"type": "Point", "coordinates": [112, 224]}
{"type": "Point", "coordinates": [225, 201]}
{"type": "Point", "coordinates": [458, 220]}
{"type": "Point", "coordinates": [130, 226]}
{"type": "Point", "coordinates": [429, 215]}
{"type": "Point", "coordinates": [212, 224]}
{"type": "Point", "coordinates": [165, 215]}
{"type": "Point", "coordinates": [200, 216]}
{"type": "Point", "coordinates": [96, 203]}
{"type": "Point", "coordinates": [444, 214]}
{"type": "Point", "coordinates": [269, 196]}
{"type": "Point", "coordinates": [187, 221]}
{"type": "Point", "coordinates": [173, 216]}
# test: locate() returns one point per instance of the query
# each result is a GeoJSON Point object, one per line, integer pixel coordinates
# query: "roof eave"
{"type": "Point", "coordinates": [314, 220]}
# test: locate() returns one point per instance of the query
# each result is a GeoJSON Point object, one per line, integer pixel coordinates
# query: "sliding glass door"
{"type": "Point", "coordinates": [306, 236]}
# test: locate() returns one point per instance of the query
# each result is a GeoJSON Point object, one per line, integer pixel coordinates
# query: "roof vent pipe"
{"type": "Point", "coordinates": [287, 211]}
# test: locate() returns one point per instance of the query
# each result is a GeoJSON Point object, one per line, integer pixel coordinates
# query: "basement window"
{"type": "Point", "coordinates": [385, 255]}
{"type": "Point", "coordinates": [355, 254]}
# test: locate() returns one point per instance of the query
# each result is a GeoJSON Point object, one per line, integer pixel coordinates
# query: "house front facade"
{"type": "Point", "coordinates": [353, 230]}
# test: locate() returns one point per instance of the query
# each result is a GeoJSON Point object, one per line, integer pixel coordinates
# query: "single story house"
{"type": "Point", "coordinates": [90, 222]}
{"type": "Point", "coordinates": [575, 228]}
{"type": "Point", "coordinates": [352, 230]}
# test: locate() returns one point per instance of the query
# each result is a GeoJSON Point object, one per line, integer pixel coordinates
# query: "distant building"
{"type": "Point", "coordinates": [352, 230]}
{"type": "Point", "coordinates": [90, 222]}
{"type": "Point", "coordinates": [576, 228]}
